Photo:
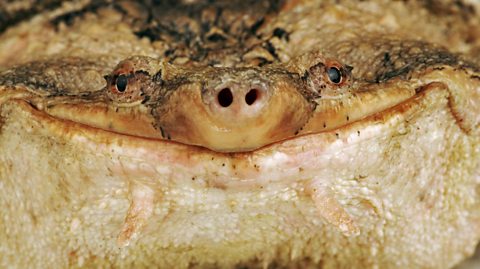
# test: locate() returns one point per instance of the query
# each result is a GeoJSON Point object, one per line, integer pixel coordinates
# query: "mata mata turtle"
{"type": "Point", "coordinates": [239, 134]}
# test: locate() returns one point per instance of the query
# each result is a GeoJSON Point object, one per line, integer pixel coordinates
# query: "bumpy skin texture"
{"type": "Point", "coordinates": [239, 134]}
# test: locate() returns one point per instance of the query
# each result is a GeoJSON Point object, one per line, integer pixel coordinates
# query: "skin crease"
{"type": "Point", "coordinates": [258, 134]}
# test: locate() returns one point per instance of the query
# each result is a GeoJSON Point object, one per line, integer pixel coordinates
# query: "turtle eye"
{"type": "Point", "coordinates": [334, 75]}
{"type": "Point", "coordinates": [121, 83]}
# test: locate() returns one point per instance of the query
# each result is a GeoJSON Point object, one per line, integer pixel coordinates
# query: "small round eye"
{"type": "Point", "coordinates": [121, 83]}
{"type": "Point", "coordinates": [334, 74]}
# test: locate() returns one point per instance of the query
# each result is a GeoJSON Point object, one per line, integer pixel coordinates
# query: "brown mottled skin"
{"type": "Point", "coordinates": [259, 134]}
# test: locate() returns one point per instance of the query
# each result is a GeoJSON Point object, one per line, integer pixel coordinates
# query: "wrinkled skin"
{"type": "Point", "coordinates": [254, 134]}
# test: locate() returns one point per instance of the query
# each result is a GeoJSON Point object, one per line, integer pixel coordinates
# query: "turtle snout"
{"type": "Point", "coordinates": [230, 110]}
{"type": "Point", "coordinates": [234, 101]}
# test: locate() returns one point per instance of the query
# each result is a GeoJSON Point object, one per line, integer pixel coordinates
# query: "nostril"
{"type": "Point", "coordinates": [251, 96]}
{"type": "Point", "coordinates": [225, 97]}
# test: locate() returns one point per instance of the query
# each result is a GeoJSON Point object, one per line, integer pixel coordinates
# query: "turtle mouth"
{"type": "Point", "coordinates": [296, 157]}
{"type": "Point", "coordinates": [373, 104]}
{"type": "Point", "coordinates": [139, 122]}
{"type": "Point", "coordinates": [134, 126]}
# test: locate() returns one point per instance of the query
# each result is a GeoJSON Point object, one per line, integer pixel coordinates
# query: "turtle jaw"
{"type": "Point", "coordinates": [330, 115]}
{"type": "Point", "coordinates": [189, 120]}
{"type": "Point", "coordinates": [59, 122]}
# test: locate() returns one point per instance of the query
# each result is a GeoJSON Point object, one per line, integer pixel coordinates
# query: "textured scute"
{"type": "Point", "coordinates": [63, 203]}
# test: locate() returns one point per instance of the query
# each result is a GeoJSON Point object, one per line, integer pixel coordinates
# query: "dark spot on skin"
{"type": "Point", "coordinates": [281, 33]}
{"type": "Point", "coordinates": [300, 169]}
{"type": "Point", "coordinates": [271, 49]}
{"type": "Point", "coordinates": [193, 178]}
{"type": "Point", "coordinates": [386, 59]}
{"type": "Point", "coordinates": [359, 178]}
{"type": "Point", "coordinates": [216, 38]}
{"type": "Point", "coordinates": [421, 197]}
{"type": "Point", "coordinates": [152, 35]}
{"type": "Point", "coordinates": [256, 25]}
{"type": "Point", "coordinates": [419, 89]}
{"type": "Point", "coordinates": [168, 52]}
{"type": "Point", "coordinates": [358, 132]}
{"type": "Point", "coordinates": [348, 118]}
{"type": "Point", "coordinates": [162, 132]}
{"type": "Point", "coordinates": [337, 135]}
{"type": "Point", "coordinates": [305, 76]}
{"type": "Point", "coordinates": [324, 125]}
{"type": "Point", "coordinates": [142, 72]}
{"type": "Point", "coordinates": [146, 99]}
{"type": "Point", "coordinates": [298, 131]}
{"type": "Point", "coordinates": [223, 164]}
{"type": "Point", "coordinates": [475, 77]}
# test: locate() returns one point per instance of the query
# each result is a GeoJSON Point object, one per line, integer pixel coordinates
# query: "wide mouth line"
{"type": "Point", "coordinates": [42, 107]}
{"type": "Point", "coordinates": [118, 134]}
